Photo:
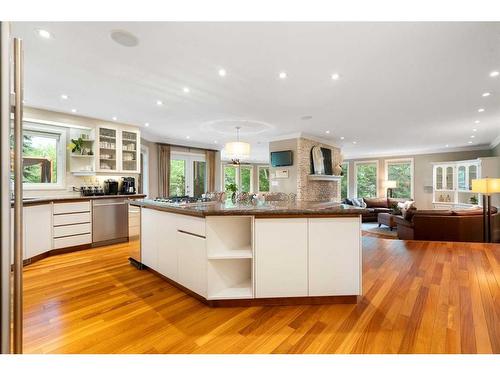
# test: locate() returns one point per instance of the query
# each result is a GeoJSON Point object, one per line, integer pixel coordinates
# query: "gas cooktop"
{"type": "Point", "coordinates": [180, 200]}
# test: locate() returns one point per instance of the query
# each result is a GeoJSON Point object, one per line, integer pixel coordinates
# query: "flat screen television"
{"type": "Point", "coordinates": [281, 158]}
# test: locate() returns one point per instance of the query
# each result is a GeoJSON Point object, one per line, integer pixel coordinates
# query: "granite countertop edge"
{"type": "Point", "coordinates": [253, 211]}
{"type": "Point", "coordinates": [43, 200]}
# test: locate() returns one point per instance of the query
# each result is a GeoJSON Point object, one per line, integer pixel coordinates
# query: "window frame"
{"type": "Point", "coordinates": [412, 172]}
{"type": "Point", "coordinates": [356, 163]}
{"type": "Point", "coordinates": [55, 132]}
{"type": "Point", "coordinates": [189, 158]}
{"type": "Point", "coordinates": [347, 180]}
{"type": "Point", "coordinates": [237, 175]}
{"type": "Point", "coordinates": [259, 167]}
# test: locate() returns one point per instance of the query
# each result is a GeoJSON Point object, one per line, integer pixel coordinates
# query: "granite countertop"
{"type": "Point", "coordinates": [271, 209]}
{"type": "Point", "coordinates": [70, 198]}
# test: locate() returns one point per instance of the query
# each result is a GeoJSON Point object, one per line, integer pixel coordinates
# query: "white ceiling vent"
{"type": "Point", "coordinates": [124, 38]}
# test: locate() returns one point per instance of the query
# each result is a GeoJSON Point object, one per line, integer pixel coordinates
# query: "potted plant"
{"type": "Point", "coordinates": [76, 145]}
{"type": "Point", "coordinates": [473, 200]}
{"type": "Point", "coordinates": [233, 189]}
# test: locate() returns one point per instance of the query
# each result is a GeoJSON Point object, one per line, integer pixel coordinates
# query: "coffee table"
{"type": "Point", "coordinates": [386, 219]}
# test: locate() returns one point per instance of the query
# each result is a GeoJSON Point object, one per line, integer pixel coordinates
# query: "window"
{"type": "Point", "coordinates": [188, 174]}
{"type": "Point", "coordinates": [401, 171]}
{"type": "Point", "coordinates": [344, 183]}
{"type": "Point", "coordinates": [241, 176]}
{"type": "Point", "coordinates": [43, 157]}
{"type": "Point", "coordinates": [263, 179]}
{"type": "Point", "coordinates": [366, 179]}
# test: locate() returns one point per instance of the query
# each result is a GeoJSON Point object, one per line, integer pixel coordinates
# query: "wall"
{"type": "Point", "coordinates": [152, 167]}
{"type": "Point", "coordinates": [496, 151]}
{"type": "Point", "coordinates": [422, 172]}
{"type": "Point", "coordinates": [66, 121]}
{"type": "Point", "coordinates": [297, 181]}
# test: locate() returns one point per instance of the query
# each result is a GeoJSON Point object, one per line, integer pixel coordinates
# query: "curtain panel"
{"type": "Point", "coordinates": [210, 160]}
{"type": "Point", "coordinates": [163, 170]}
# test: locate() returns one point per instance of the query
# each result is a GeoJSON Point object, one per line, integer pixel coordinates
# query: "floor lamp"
{"type": "Point", "coordinates": [487, 187]}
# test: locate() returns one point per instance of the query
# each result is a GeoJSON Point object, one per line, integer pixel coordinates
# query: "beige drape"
{"type": "Point", "coordinates": [163, 170]}
{"type": "Point", "coordinates": [210, 159]}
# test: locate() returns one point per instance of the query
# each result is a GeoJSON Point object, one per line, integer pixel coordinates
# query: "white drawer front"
{"type": "Point", "coordinates": [83, 217]}
{"type": "Point", "coordinates": [64, 208]}
{"type": "Point", "coordinates": [190, 224]}
{"type": "Point", "coordinates": [82, 239]}
{"type": "Point", "coordinates": [71, 230]}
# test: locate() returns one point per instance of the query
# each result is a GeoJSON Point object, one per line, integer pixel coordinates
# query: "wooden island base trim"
{"type": "Point", "coordinates": [251, 302]}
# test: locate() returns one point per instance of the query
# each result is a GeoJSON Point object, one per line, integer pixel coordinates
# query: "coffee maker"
{"type": "Point", "coordinates": [128, 185]}
{"type": "Point", "coordinates": [110, 187]}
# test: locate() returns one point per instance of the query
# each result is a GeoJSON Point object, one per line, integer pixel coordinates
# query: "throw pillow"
{"type": "Point", "coordinates": [358, 202]}
{"type": "Point", "coordinates": [405, 207]}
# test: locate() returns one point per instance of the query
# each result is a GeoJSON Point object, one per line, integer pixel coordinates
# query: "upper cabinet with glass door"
{"type": "Point", "coordinates": [118, 150]}
{"type": "Point", "coordinates": [130, 151]}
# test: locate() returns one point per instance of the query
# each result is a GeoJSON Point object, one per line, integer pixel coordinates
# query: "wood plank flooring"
{"type": "Point", "coordinates": [419, 297]}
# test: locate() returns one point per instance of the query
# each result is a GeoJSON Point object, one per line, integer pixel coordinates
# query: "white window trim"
{"type": "Point", "coordinates": [258, 177]}
{"type": "Point", "coordinates": [145, 171]}
{"type": "Point", "coordinates": [61, 156]}
{"type": "Point", "coordinates": [237, 175]}
{"type": "Point", "coordinates": [347, 179]}
{"type": "Point", "coordinates": [412, 171]}
{"type": "Point", "coordinates": [356, 163]}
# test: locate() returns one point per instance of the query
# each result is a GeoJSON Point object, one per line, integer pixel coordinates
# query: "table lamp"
{"type": "Point", "coordinates": [390, 184]}
{"type": "Point", "coordinates": [486, 187]}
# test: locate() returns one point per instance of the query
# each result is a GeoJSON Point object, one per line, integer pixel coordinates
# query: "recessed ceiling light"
{"type": "Point", "coordinates": [477, 122]}
{"type": "Point", "coordinates": [485, 94]}
{"type": "Point", "coordinates": [216, 142]}
{"type": "Point", "coordinates": [146, 124]}
{"type": "Point", "coordinates": [124, 38]}
{"type": "Point", "coordinates": [470, 142]}
{"type": "Point", "coordinates": [480, 110]}
{"type": "Point", "coordinates": [159, 102]}
{"type": "Point", "coordinates": [187, 137]}
{"type": "Point", "coordinates": [354, 142]}
{"type": "Point", "coordinates": [73, 110]}
{"type": "Point", "coordinates": [494, 73]}
{"type": "Point", "coordinates": [64, 96]}
{"type": "Point", "coordinates": [327, 132]}
{"type": "Point", "coordinates": [473, 136]}
{"type": "Point", "coordinates": [43, 33]}
{"type": "Point", "coordinates": [474, 130]}
{"type": "Point", "coordinates": [335, 76]}
{"type": "Point", "coordinates": [114, 118]}
{"type": "Point", "coordinates": [282, 75]}
{"type": "Point", "coordinates": [222, 72]}
{"type": "Point", "coordinates": [185, 89]}
{"type": "Point", "coordinates": [342, 138]}
{"type": "Point", "coordinates": [447, 146]}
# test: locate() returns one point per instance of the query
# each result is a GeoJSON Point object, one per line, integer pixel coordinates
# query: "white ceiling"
{"type": "Point", "coordinates": [404, 87]}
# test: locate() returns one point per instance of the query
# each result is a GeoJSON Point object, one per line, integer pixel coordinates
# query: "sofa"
{"type": "Point", "coordinates": [447, 225]}
{"type": "Point", "coordinates": [374, 206]}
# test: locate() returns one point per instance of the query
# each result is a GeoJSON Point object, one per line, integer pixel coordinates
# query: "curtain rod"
{"type": "Point", "coordinates": [188, 147]}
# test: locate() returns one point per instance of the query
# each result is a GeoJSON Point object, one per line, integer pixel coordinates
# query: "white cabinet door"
{"type": "Point", "coordinates": [167, 245]}
{"type": "Point", "coordinates": [149, 237]}
{"type": "Point", "coordinates": [334, 256]}
{"type": "Point", "coordinates": [280, 258]}
{"type": "Point", "coordinates": [38, 229]}
{"type": "Point", "coordinates": [192, 262]}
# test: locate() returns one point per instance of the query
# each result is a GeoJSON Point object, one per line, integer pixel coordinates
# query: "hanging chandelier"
{"type": "Point", "coordinates": [237, 150]}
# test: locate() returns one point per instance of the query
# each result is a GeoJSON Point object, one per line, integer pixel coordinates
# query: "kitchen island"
{"type": "Point", "coordinates": [273, 253]}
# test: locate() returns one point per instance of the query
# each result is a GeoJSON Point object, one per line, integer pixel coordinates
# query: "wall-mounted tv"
{"type": "Point", "coordinates": [281, 158]}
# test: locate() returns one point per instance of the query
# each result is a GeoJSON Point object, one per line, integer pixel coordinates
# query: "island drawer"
{"type": "Point", "coordinates": [71, 230]}
{"type": "Point", "coordinates": [78, 218]}
{"type": "Point", "coordinates": [190, 224]}
{"type": "Point", "coordinates": [65, 208]}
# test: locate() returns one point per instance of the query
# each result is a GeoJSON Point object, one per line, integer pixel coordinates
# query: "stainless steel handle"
{"type": "Point", "coordinates": [18, 197]}
{"type": "Point", "coordinates": [109, 204]}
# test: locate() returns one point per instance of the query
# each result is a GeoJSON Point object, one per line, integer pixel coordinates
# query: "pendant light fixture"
{"type": "Point", "coordinates": [237, 150]}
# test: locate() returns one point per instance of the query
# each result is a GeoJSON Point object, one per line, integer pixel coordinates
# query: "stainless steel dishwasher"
{"type": "Point", "coordinates": [109, 221]}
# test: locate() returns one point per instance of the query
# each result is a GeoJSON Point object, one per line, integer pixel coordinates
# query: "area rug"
{"type": "Point", "coordinates": [383, 231]}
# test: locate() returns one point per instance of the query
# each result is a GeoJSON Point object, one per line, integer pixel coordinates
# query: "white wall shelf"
{"type": "Point", "coordinates": [245, 253]}
{"type": "Point", "coordinates": [242, 290]}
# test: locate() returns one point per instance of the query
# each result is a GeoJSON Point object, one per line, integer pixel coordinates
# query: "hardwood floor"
{"type": "Point", "coordinates": [419, 297]}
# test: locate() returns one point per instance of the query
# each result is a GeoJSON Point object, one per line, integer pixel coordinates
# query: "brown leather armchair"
{"type": "Point", "coordinates": [445, 225]}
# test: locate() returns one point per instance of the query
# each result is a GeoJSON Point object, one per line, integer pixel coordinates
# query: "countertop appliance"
{"type": "Point", "coordinates": [89, 191]}
{"type": "Point", "coordinates": [128, 185]}
{"type": "Point", "coordinates": [134, 235]}
{"type": "Point", "coordinates": [109, 221]}
{"type": "Point", "coordinates": [110, 187]}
